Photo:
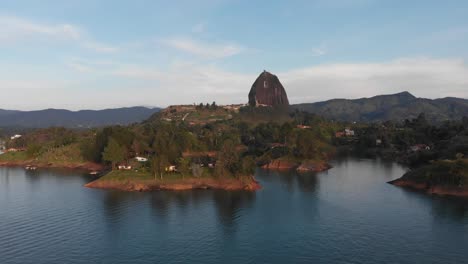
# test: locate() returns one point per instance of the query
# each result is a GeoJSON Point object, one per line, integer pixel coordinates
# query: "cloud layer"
{"type": "Point", "coordinates": [204, 50]}
{"type": "Point", "coordinates": [194, 83]}
{"type": "Point", "coordinates": [15, 29]}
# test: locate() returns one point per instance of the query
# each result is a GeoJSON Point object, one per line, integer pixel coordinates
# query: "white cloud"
{"type": "Point", "coordinates": [317, 52]}
{"type": "Point", "coordinates": [198, 28]}
{"type": "Point", "coordinates": [205, 50]}
{"type": "Point", "coordinates": [185, 83]}
{"type": "Point", "coordinates": [424, 77]}
{"type": "Point", "coordinates": [14, 29]}
{"type": "Point", "coordinates": [432, 78]}
{"type": "Point", "coordinates": [99, 47]}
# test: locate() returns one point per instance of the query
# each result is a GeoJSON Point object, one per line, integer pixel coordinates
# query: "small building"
{"type": "Point", "coordinates": [303, 127]}
{"type": "Point", "coordinates": [171, 168]}
{"type": "Point", "coordinates": [349, 132]}
{"type": "Point", "coordinates": [124, 167]}
{"type": "Point", "coordinates": [346, 133]}
{"type": "Point", "coordinates": [15, 150]}
{"type": "Point", "coordinates": [141, 159]}
{"type": "Point", "coordinates": [339, 134]}
{"type": "Point", "coordinates": [378, 142]}
{"type": "Point", "coordinates": [15, 137]}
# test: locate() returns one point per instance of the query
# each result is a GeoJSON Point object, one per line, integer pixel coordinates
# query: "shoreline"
{"type": "Point", "coordinates": [176, 185]}
{"type": "Point", "coordinates": [304, 166]}
{"type": "Point", "coordinates": [433, 190]}
{"type": "Point", "coordinates": [87, 166]}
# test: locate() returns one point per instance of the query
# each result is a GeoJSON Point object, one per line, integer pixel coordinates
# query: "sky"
{"type": "Point", "coordinates": [96, 54]}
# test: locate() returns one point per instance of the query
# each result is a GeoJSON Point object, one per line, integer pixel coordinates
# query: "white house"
{"type": "Point", "coordinates": [141, 159]}
{"type": "Point", "coordinates": [15, 137]}
{"type": "Point", "coordinates": [124, 167]}
{"type": "Point", "coordinates": [171, 168]}
{"type": "Point", "coordinates": [349, 132]}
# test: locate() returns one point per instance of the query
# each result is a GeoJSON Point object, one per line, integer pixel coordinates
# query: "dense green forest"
{"type": "Point", "coordinates": [223, 148]}
{"type": "Point", "coordinates": [413, 142]}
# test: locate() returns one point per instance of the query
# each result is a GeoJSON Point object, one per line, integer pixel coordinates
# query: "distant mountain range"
{"type": "Point", "coordinates": [380, 108]}
{"type": "Point", "coordinates": [396, 107]}
{"type": "Point", "coordinates": [74, 119]}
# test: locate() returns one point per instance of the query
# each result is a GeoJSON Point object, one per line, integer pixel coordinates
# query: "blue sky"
{"type": "Point", "coordinates": [81, 54]}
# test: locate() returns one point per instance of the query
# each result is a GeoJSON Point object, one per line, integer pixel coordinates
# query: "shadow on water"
{"type": "Point", "coordinates": [58, 175]}
{"type": "Point", "coordinates": [162, 201]}
{"type": "Point", "coordinates": [448, 207]}
{"type": "Point", "coordinates": [229, 204]}
{"type": "Point", "coordinates": [305, 182]}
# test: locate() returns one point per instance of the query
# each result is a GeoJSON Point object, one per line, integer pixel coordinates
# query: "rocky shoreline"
{"type": "Point", "coordinates": [306, 166]}
{"type": "Point", "coordinates": [435, 189]}
{"type": "Point", "coordinates": [177, 185]}
{"type": "Point", "coordinates": [88, 166]}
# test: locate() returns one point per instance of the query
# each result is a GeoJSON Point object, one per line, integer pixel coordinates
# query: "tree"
{"type": "Point", "coordinates": [158, 165]}
{"type": "Point", "coordinates": [113, 153]}
{"type": "Point", "coordinates": [197, 170]}
{"type": "Point", "coordinates": [248, 165]}
{"type": "Point", "coordinates": [184, 166]}
{"type": "Point", "coordinates": [33, 150]}
{"type": "Point", "coordinates": [90, 151]}
{"type": "Point", "coordinates": [305, 144]}
{"type": "Point", "coordinates": [214, 106]}
{"type": "Point", "coordinates": [138, 146]}
{"type": "Point", "coordinates": [228, 159]}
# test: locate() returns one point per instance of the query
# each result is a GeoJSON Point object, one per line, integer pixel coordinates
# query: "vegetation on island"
{"type": "Point", "coordinates": [215, 142]}
{"type": "Point", "coordinates": [206, 144]}
{"type": "Point", "coordinates": [441, 173]}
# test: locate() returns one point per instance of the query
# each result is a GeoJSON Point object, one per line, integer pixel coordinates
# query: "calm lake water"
{"type": "Point", "coordinates": [346, 215]}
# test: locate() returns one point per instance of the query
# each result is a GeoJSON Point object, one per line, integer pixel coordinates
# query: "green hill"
{"type": "Point", "coordinates": [396, 107]}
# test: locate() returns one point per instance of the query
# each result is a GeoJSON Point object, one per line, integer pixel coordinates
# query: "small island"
{"type": "Point", "coordinates": [143, 181]}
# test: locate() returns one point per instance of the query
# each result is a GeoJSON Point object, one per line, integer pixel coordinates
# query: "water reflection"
{"type": "Point", "coordinates": [349, 211]}
{"type": "Point", "coordinates": [230, 204]}
{"type": "Point", "coordinates": [227, 204]}
{"type": "Point", "coordinates": [305, 182]}
{"type": "Point", "coordinates": [450, 207]}
{"type": "Point", "coordinates": [447, 207]}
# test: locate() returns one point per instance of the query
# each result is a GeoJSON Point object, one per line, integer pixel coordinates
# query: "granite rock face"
{"type": "Point", "coordinates": [268, 90]}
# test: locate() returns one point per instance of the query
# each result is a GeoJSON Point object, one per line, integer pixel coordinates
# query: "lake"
{"type": "Point", "coordinates": [348, 214]}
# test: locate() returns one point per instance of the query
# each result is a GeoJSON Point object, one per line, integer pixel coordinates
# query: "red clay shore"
{"type": "Point", "coordinates": [438, 190]}
{"type": "Point", "coordinates": [306, 166]}
{"type": "Point", "coordinates": [89, 166]}
{"type": "Point", "coordinates": [177, 185]}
